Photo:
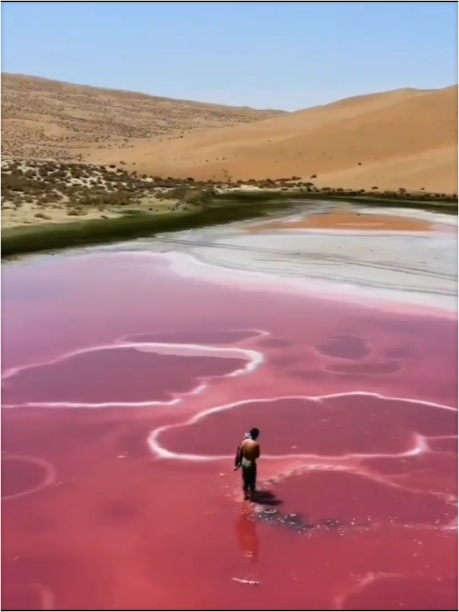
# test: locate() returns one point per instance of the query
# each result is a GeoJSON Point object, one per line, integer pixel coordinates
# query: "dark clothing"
{"type": "Point", "coordinates": [249, 472]}
{"type": "Point", "coordinates": [249, 478]}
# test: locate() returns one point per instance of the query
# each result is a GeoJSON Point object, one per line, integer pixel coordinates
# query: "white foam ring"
{"type": "Point", "coordinates": [253, 360]}
{"type": "Point", "coordinates": [251, 334]}
{"type": "Point", "coordinates": [420, 442]}
{"type": "Point", "coordinates": [361, 582]}
{"type": "Point", "coordinates": [49, 474]}
{"type": "Point", "coordinates": [302, 462]}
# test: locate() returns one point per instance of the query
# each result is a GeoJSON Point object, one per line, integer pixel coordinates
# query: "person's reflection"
{"type": "Point", "coordinates": [246, 531]}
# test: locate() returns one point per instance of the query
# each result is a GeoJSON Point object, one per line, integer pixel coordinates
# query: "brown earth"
{"type": "Point", "coordinates": [400, 139]}
{"type": "Point", "coordinates": [345, 219]}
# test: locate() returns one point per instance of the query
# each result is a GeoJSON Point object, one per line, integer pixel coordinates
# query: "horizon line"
{"type": "Point", "coordinates": [217, 104]}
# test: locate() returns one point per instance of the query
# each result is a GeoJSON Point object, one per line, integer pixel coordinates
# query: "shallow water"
{"type": "Point", "coordinates": [129, 377]}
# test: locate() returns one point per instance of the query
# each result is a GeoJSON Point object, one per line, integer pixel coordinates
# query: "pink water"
{"type": "Point", "coordinates": [118, 490]}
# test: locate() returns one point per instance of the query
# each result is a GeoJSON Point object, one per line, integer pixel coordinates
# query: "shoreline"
{"type": "Point", "coordinates": [225, 207]}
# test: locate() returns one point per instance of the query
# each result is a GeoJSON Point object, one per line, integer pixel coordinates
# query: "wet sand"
{"type": "Point", "coordinates": [346, 219]}
{"type": "Point", "coordinates": [365, 263]}
{"type": "Point", "coordinates": [126, 388]}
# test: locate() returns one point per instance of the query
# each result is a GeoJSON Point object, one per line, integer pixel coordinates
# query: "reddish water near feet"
{"type": "Point", "coordinates": [125, 392]}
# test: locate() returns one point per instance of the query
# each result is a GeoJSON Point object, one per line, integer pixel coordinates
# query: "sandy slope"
{"type": "Point", "coordinates": [400, 139]}
{"type": "Point", "coordinates": [405, 138]}
{"type": "Point", "coordinates": [44, 118]}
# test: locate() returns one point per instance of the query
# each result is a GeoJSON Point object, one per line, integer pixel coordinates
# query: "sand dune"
{"type": "Point", "coordinates": [50, 119]}
{"type": "Point", "coordinates": [404, 138]}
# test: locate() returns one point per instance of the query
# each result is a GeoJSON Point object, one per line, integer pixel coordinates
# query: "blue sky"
{"type": "Point", "coordinates": [265, 54]}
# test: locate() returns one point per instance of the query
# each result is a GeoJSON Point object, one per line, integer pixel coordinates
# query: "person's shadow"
{"type": "Point", "coordinates": [264, 497]}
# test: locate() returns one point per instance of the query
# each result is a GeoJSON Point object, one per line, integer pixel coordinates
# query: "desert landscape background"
{"type": "Point", "coordinates": [400, 139]}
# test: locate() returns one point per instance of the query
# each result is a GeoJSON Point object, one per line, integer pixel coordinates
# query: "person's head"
{"type": "Point", "coordinates": [254, 433]}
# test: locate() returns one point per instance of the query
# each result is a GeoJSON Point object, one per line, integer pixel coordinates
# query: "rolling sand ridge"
{"type": "Point", "coordinates": [405, 138]}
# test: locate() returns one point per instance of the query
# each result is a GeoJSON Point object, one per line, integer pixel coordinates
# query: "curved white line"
{"type": "Point", "coordinates": [253, 360]}
{"type": "Point", "coordinates": [49, 476]}
{"type": "Point", "coordinates": [161, 452]}
{"type": "Point", "coordinates": [254, 333]}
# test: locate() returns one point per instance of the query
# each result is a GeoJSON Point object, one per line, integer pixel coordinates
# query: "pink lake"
{"type": "Point", "coordinates": [126, 389]}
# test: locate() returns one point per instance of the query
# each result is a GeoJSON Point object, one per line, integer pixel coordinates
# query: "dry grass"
{"type": "Point", "coordinates": [35, 192]}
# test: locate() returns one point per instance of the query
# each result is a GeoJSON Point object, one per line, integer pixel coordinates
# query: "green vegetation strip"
{"type": "Point", "coordinates": [49, 237]}
{"type": "Point", "coordinates": [444, 204]}
{"type": "Point", "coordinates": [226, 208]}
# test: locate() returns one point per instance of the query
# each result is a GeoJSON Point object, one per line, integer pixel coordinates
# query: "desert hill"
{"type": "Point", "coordinates": [397, 139]}
{"type": "Point", "coordinates": [404, 138]}
{"type": "Point", "coordinates": [43, 119]}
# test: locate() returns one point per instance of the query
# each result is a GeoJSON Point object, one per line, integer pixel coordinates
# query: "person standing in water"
{"type": "Point", "coordinates": [246, 458]}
